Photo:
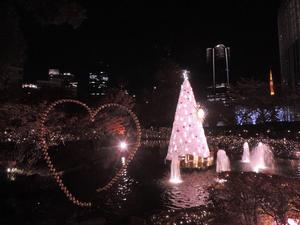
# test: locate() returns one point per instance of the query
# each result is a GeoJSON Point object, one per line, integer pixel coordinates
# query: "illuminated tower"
{"type": "Point", "coordinates": [272, 92]}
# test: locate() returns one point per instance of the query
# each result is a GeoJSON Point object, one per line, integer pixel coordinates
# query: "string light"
{"type": "Point", "coordinates": [92, 113]}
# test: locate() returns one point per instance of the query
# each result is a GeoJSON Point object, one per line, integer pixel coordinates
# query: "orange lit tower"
{"type": "Point", "coordinates": [272, 92]}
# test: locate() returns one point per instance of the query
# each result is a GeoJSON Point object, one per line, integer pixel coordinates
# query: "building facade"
{"type": "Point", "coordinates": [219, 94]}
{"type": "Point", "coordinates": [289, 43]}
{"type": "Point", "coordinates": [218, 58]}
{"type": "Point", "coordinates": [98, 83]}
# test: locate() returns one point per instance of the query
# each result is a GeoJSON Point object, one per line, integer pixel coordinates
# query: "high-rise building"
{"type": "Point", "coordinates": [98, 83]}
{"type": "Point", "coordinates": [219, 94]}
{"type": "Point", "coordinates": [289, 43]}
{"type": "Point", "coordinates": [66, 77]}
{"type": "Point", "coordinates": [65, 80]}
{"type": "Point", "coordinates": [30, 88]}
{"type": "Point", "coordinates": [219, 58]}
{"type": "Point", "coordinates": [63, 84]}
{"type": "Point", "coordinates": [53, 72]}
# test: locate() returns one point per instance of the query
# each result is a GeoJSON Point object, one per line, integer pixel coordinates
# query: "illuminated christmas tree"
{"type": "Point", "coordinates": [187, 136]}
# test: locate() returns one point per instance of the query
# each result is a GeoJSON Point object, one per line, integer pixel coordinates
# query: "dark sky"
{"type": "Point", "coordinates": [132, 37]}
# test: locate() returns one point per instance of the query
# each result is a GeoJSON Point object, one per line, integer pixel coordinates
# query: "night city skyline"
{"type": "Point", "coordinates": [133, 39]}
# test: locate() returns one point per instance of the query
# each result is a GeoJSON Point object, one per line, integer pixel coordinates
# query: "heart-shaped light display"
{"type": "Point", "coordinates": [92, 114]}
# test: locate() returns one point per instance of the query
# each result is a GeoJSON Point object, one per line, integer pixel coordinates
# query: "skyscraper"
{"type": "Point", "coordinates": [219, 59]}
{"type": "Point", "coordinates": [289, 43]}
{"type": "Point", "coordinates": [98, 83]}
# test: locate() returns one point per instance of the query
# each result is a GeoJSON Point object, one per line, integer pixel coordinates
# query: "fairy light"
{"type": "Point", "coordinates": [185, 74]}
{"type": "Point", "coordinates": [92, 113]}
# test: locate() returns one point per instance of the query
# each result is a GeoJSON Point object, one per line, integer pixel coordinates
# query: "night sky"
{"type": "Point", "coordinates": [133, 37]}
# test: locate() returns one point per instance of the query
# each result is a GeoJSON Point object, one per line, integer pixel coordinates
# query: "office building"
{"type": "Point", "coordinates": [289, 43]}
{"type": "Point", "coordinates": [218, 58]}
{"type": "Point", "coordinates": [218, 94]}
{"type": "Point", "coordinates": [98, 83]}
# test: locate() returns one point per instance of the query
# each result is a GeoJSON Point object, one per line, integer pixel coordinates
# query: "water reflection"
{"type": "Point", "coordinates": [143, 189]}
{"type": "Point", "coordinates": [191, 192]}
{"type": "Point", "coordinates": [118, 196]}
{"type": "Point", "coordinates": [147, 192]}
{"type": "Point", "coordinates": [124, 187]}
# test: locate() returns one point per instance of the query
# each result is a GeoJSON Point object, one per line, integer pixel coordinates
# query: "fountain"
{"type": "Point", "coordinates": [261, 158]}
{"type": "Point", "coordinates": [175, 170]}
{"type": "Point", "coordinates": [246, 153]}
{"type": "Point", "coordinates": [223, 163]}
{"type": "Point", "coordinates": [187, 136]}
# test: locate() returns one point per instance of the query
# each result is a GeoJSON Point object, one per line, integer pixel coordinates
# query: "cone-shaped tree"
{"type": "Point", "coordinates": [187, 133]}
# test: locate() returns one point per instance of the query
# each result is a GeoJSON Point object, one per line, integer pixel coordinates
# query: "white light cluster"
{"type": "Point", "coordinates": [33, 86]}
{"type": "Point", "coordinates": [292, 222]}
{"type": "Point", "coordinates": [123, 145]}
{"type": "Point", "coordinates": [11, 170]}
{"type": "Point", "coordinates": [175, 181]}
{"type": "Point", "coordinates": [187, 132]}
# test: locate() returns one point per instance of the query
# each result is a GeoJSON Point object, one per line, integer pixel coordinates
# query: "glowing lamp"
{"type": "Point", "coordinates": [123, 145]}
{"type": "Point", "coordinates": [221, 181]}
{"type": "Point", "coordinates": [292, 221]}
{"type": "Point", "coordinates": [200, 113]}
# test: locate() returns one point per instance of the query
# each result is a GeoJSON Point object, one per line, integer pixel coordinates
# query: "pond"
{"type": "Point", "coordinates": [143, 190]}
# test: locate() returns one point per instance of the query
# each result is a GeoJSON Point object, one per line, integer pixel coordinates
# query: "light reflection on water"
{"type": "Point", "coordinates": [124, 186]}
{"type": "Point", "coordinates": [164, 195]}
{"type": "Point", "coordinates": [150, 191]}
{"type": "Point", "coordinates": [118, 197]}
{"type": "Point", "coordinates": [191, 192]}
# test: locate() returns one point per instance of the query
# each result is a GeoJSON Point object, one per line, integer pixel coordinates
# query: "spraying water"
{"type": "Point", "coordinates": [223, 163]}
{"type": "Point", "coordinates": [246, 153]}
{"type": "Point", "coordinates": [175, 170]}
{"type": "Point", "coordinates": [261, 158]}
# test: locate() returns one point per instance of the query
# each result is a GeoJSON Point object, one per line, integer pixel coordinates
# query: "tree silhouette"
{"type": "Point", "coordinates": [247, 198]}
{"type": "Point", "coordinates": [13, 41]}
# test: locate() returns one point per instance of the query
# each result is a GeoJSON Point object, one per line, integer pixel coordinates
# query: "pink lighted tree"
{"type": "Point", "coordinates": [187, 133]}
